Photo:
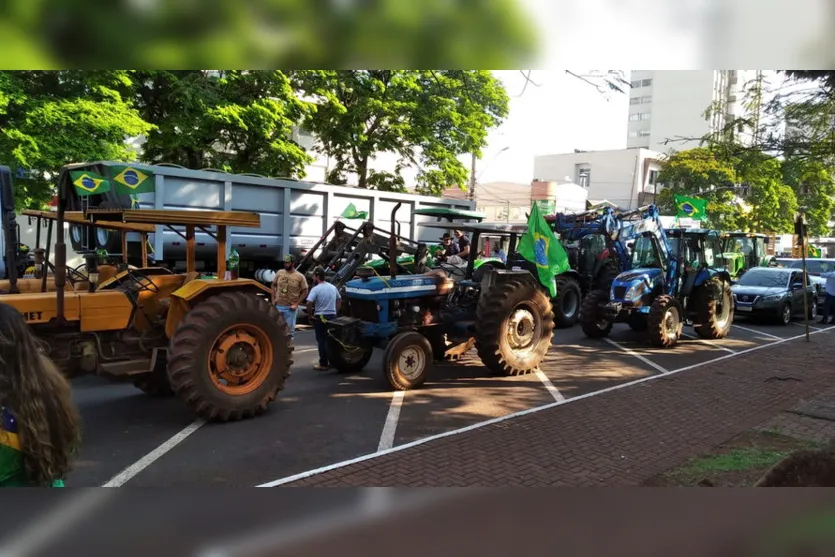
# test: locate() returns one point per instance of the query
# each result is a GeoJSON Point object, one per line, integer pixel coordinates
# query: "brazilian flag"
{"type": "Point", "coordinates": [691, 207]}
{"type": "Point", "coordinates": [540, 246]}
{"type": "Point", "coordinates": [130, 180]}
{"type": "Point", "coordinates": [89, 183]}
{"type": "Point", "coordinates": [351, 212]}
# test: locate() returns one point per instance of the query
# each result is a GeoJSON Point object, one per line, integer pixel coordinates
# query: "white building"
{"type": "Point", "coordinates": [671, 104]}
{"type": "Point", "coordinates": [624, 177]}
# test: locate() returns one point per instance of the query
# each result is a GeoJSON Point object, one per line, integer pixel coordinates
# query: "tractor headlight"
{"type": "Point", "coordinates": [635, 291]}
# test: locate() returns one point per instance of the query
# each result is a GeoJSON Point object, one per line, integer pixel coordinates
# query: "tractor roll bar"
{"type": "Point", "coordinates": [393, 241]}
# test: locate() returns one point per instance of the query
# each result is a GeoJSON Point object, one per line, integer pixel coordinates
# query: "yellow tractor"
{"type": "Point", "coordinates": [217, 342]}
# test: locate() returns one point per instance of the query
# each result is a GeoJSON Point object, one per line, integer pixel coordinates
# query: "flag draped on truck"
{"type": "Point", "coordinates": [351, 212]}
{"type": "Point", "coordinates": [89, 183]}
{"type": "Point", "coordinates": [130, 180]}
{"type": "Point", "coordinates": [540, 246]}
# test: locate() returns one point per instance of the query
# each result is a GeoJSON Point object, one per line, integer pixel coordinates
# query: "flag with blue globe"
{"type": "Point", "coordinates": [541, 247]}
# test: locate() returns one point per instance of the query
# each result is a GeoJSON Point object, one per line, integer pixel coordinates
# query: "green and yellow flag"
{"type": "Point", "coordinates": [351, 212]}
{"type": "Point", "coordinates": [89, 183]}
{"type": "Point", "coordinates": [540, 246]}
{"type": "Point", "coordinates": [814, 252]}
{"type": "Point", "coordinates": [130, 180]}
{"type": "Point", "coordinates": [691, 207]}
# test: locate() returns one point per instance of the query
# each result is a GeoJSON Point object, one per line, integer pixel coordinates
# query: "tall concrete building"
{"type": "Point", "coordinates": [671, 104]}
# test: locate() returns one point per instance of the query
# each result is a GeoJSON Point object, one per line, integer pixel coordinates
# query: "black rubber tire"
{"type": "Point", "coordinates": [658, 329]}
{"type": "Point", "coordinates": [813, 309]}
{"type": "Point", "coordinates": [606, 276]}
{"type": "Point", "coordinates": [348, 361]}
{"type": "Point", "coordinates": [156, 383]}
{"type": "Point", "coordinates": [392, 372]}
{"type": "Point", "coordinates": [784, 317]}
{"type": "Point", "coordinates": [712, 325]}
{"type": "Point", "coordinates": [192, 343]}
{"type": "Point", "coordinates": [590, 315]}
{"type": "Point", "coordinates": [113, 238]}
{"type": "Point", "coordinates": [495, 308]}
{"type": "Point", "coordinates": [566, 305]}
{"type": "Point", "coordinates": [638, 322]}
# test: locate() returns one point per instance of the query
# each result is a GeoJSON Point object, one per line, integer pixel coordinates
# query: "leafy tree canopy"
{"type": "Point", "coordinates": [427, 118]}
{"type": "Point", "coordinates": [239, 121]}
{"type": "Point", "coordinates": [49, 119]}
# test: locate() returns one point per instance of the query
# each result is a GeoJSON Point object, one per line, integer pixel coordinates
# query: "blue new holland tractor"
{"type": "Point", "coordinates": [420, 319]}
{"type": "Point", "coordinates": [676, 278]}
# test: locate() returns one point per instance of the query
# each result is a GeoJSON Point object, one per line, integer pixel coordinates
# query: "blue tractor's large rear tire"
{"type": "Point", "coordinates": [592, 320]}
{"type": "Point", "coordinates": [715, 309]}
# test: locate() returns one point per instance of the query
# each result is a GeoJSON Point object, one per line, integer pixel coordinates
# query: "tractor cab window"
{"type": "Point", "coordinates": [645, 254]}
{"type": "Point", "coordinates": [712, 251]}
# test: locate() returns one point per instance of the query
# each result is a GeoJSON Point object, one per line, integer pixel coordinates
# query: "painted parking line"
{"type": "Point", "coordinates": [634, 354]}
{"type": "Point", "coordinates": [390, 425]}
{"type": "Point", "coordinates": [763, 333]}
{"type": "Point", "coordinates": [558, 396]}
{"type": "Point", "coordinates": [296, 477]}
{"type": "Point", "coordinates": [708, 343]}
{"type": "Point", "coordinates": [810, 325]}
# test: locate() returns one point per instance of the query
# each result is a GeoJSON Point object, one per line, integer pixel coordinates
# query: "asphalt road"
{"type": "Point", "coordinates": [324, 417]}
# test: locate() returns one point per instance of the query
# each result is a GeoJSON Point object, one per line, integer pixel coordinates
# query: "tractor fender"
{"type": "Point", "coordinates": [707, 274]}
{"type": "Point", "coordinates": [197, 290]}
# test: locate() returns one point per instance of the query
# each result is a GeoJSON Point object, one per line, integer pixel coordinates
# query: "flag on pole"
{"type": "Point", "coordinates": [691, 207]}
{"type": "Point", "coordinates": [351, 212]}
{"type": "Point", "coordinates": [89, 183]}
{"type": "Point", "coordinates": [540, 246]}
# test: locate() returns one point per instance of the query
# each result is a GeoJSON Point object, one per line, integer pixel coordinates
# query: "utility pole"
{"type": "Point", "coordinates": [800, 230]}
{"type": "Point", "coordinates": [472, 178]}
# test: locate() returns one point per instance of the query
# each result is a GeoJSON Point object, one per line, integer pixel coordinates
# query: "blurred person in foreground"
{"type": "Point", "coordinates": [829, 298]}
{"type": "Point", "coordinates": [39, 425]}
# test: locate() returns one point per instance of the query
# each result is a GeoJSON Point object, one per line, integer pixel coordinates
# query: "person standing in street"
{"type": "Point", "coordinates": [829, 298]}
{"type": "Point", "coordinates": [289, 290]}
{"type": "Point", "coordinates": [322, 305]}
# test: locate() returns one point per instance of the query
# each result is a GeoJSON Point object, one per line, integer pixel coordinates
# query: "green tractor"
{"type": "Point", "coordinates": [742, 251]}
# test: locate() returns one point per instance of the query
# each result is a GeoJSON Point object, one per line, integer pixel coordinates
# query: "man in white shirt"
{"type": "Point", "coordinates": [829, 299]}
{"type": "Point", "coordinates": [322, 305]}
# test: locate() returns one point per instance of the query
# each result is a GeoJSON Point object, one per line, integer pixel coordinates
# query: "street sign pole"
{"type": "Point", "coordinates": [800, 227]}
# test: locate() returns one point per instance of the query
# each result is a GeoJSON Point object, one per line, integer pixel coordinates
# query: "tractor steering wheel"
{"type": "Point", "coordinates": [454, 269]}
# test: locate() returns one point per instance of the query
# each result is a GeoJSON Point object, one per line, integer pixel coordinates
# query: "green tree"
{"type": "Point", "coordinates": [814, 186]}
{"type": "Point", "coordinates": [769, 206]}
{"type": "Point", "coordinates": [239, 121]}
{"type": "Point", "coordinates": [427, 118]}
{"type": "Point", "coordinates": [49, 119]}
{"type": "Point", "coordinates": [268, 34]}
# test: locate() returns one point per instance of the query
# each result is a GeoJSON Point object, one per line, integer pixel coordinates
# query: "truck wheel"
{"type": "Point", "coordinates": [407, 361]}
{"type": "Point", "coordinates": [350, 359]}
{"type": "Point", "coordinates": [230, 356]}
{"type": "Point", "coordinates": [567, 303]}
{"type": "Point", "coordinates": [715, 310]}
{"type": "Point", "coordinates": [109, 240]}
{"type": "Point", "coordinates": [594, 324]}
{"type": "Point", "coordinates": [156, 383]}
{"type": "Point", "coordinates": [665, 322]}
{"type": "Point", "coordinates": [514, 327]}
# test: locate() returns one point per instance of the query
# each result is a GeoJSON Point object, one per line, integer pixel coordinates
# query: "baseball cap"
{"type": "Point", "coordinates": [289, 258]}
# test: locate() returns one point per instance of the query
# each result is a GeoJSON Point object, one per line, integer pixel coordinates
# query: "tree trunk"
{"type": "Point", "coordinates": [362, 172]}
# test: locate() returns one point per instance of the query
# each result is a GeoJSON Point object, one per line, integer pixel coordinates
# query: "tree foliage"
{"type": "Point", "coordinates": [49, 119]}
{"type": "Point", "coordinates": [239, 121]}
{"type": "Point", "coordinates": [769, 205]}
{"type": "Point", "coordinates": [427, 118]}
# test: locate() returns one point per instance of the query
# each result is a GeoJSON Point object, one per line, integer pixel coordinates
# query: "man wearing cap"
{"type": "Point", "coordinates": [289, 290]}
{"type": "Point", "coordinates": [450, 248]}
{"type": "Point", "coordinates": [322, 306]}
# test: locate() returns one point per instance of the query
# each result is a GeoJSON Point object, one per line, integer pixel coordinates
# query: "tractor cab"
{"type": "Point", "coordinates": [742, 251]}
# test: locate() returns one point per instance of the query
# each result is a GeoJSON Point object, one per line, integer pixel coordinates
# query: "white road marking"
{"type": "Point", "coordinates": [708, 343]}
{"type": "Point", "coordinates": [125, 475]}
{"type": "Point", "coordinates": [769, 335]}
{"type": "Point", "coordinates": [500, 419]}
{"type": "Point", "coordinates": [550, 386]}
{"type": "Point", "coordinates": [634, 354]}
{"type": "Point", "coordinates": [303, 350]}
{"type": "Point", "coordinates": [390, 427]}
{"type": "Point", "coordinates": [54, 523]}
{"type": "Point", "coordinates": [804, 325]}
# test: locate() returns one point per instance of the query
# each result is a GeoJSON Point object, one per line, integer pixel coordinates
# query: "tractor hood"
{"type": "Point", "coordinates": [402, 286]}
{"type": "Point", "coordinates": [630, 286]}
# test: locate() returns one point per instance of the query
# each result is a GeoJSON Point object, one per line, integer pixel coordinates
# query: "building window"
{"type": "Point", "coordinates": [646, 100]}
{"type": "Point", "coordinates": [641, 83]}
{"type": "Point", "coordinates": [643, 133]}
{"type": "Point", "coordinates": [639, 116]}
{"type": "Point", "coordinates": [584, 176]}
{"type": "Point", "coordinates": [633, 133]}
{"type": "Point", "coordinates": [635, 100]}
{"type": "Point", "coordinates": [653, 176]}
{"type": "Point", "coordinates": [644, 115]}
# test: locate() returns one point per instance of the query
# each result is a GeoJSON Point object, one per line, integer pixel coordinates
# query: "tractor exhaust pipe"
{"type": "Point", "coordinates": [393, 242]}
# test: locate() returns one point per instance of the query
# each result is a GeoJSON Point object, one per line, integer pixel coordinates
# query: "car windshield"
{"type": "Point", "coordinates": [813, 266]}
{"type": "Point", "coordinates": [765, 277]}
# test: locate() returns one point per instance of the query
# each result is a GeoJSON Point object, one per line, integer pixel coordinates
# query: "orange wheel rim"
{"type": "Point", "coordinates": [240, 359]}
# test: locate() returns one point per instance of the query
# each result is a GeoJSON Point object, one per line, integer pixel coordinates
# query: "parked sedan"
{"type": "Point", "coordinates": [775, 293]}
{"type": "Point", "coordinates": [814, 267]}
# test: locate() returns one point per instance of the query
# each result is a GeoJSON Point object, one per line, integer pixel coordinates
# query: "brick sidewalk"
{"type": "Point", "coordinates": [619, 438]}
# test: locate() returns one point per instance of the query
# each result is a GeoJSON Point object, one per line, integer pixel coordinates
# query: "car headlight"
{"type": "Point", "coordinates": [772, 298]}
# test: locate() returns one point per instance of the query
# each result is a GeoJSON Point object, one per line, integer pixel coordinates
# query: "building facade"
{"type": "Point", "coordinates": [667, 107]}
{"type": "Point", "coordinates": [626, 178]}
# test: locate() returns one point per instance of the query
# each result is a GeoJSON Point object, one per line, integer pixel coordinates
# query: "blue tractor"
{"type": "Point", "coordinates": [420, 319]}
{"type": "Point", "coordinates": [676, 278]}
